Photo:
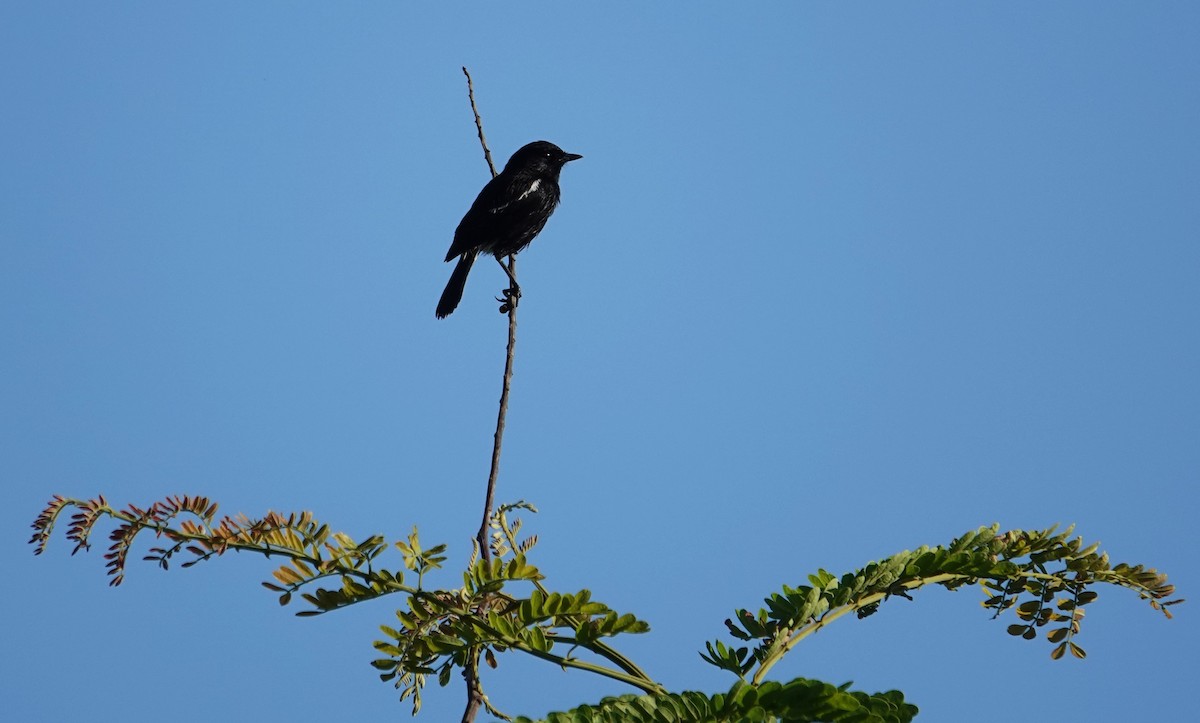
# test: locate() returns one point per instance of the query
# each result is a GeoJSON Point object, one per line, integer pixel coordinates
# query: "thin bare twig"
{"type": "Point", "coordinates": [475, 695]}
{"type": "Point", "coordinates": [489, 502]}
{"type": "Point", "coordinates": [487, 153]}
{"type": "Point", "coordinates": [490, 499]}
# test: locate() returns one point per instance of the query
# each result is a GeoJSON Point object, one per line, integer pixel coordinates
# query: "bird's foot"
{"type": "Point", "coordinates": [509, 299]}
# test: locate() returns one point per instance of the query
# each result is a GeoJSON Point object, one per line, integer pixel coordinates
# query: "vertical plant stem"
{"type": "Point", "coordinates": [487, 153]}
{"type": "Point", "coordinates": [475, 697]}
{"type": "Point", "coordinates": [490, 498]}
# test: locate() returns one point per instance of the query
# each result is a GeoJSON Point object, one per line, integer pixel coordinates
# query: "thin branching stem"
{"type": "Point", "coordinates": [489, 500]}
{"type": "Point", "coordinates": [487, 153]}
{"type": "Point", "coordinates": [475, 696]}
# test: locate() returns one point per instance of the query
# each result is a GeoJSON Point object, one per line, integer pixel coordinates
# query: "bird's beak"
{"type": "Point", "coordinates": [571, 157]}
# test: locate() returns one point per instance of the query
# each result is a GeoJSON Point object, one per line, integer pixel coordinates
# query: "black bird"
{"type": "Point", "coordinates": [510, 210]}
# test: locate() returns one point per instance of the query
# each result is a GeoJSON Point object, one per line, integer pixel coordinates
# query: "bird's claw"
{"type": "Point", "coordinates": [509, 298]}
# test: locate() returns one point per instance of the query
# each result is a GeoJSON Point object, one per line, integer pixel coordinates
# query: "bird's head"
{"type": "Point", "coordinates": [540, 158]}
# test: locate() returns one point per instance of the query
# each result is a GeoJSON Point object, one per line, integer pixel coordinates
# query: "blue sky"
{"type": "Point", "coordinates": [830, 282]}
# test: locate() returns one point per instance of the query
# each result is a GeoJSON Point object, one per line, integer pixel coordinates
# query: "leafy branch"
{"type": "Point", "coordinates": [440, 631]}
{"type": "Point", "coordinates": [313, 552]}
{"type": "Point", "coordinates": [1018, 568]}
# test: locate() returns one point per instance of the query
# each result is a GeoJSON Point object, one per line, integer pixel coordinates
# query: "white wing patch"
{"type": "Point", "coordinates": [537, 182]}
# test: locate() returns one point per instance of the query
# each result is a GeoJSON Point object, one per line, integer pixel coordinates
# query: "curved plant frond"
{"type": "Point", "coordinates": [189, 526]}
{"type": "Point", "coordinates": [1046, 575]}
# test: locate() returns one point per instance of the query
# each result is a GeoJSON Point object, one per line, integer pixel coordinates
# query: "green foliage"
{"type": "Point", "coordinates": [419, 560]}
{"type": "Point", "coordinates": [313, 553]}
{"type": "Point", "coordinates": [1045, 577]}
{"type": "Point", "coordinates": [799, 700]}
{"type": "Point", "coordinates": [439, 630]}
{"type": "Point", "coordinates": [1017, 568]}
{"type": "Point", "coordinates": [445, 630]}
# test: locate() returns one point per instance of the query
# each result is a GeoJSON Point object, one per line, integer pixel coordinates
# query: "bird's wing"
{"type": "Point", "coordinates": [501, 206]}
{"type": "Point", "coordinates": [517, 193]}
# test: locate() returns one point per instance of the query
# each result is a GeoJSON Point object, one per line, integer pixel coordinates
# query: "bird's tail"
{"type": "Point", "coordinates": [454, 287]}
